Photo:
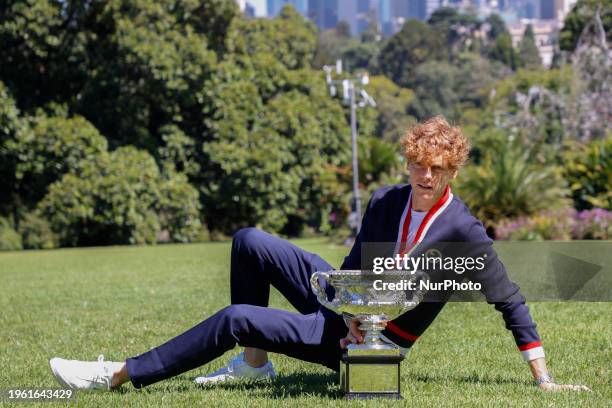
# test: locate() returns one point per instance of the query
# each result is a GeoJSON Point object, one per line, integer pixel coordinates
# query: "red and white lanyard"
{"type": "Point", "coordinates": [430, 217]}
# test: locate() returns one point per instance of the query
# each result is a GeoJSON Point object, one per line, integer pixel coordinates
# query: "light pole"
{"type": "Point", "coordinates": [349, 89]}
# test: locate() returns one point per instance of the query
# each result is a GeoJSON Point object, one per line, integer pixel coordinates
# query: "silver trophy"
{"type": "Point", "coordinates": [372, 368]}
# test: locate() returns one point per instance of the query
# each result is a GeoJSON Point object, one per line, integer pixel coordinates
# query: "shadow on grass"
{"type": "Point", "coordinates": [292, 385]}
{"type": "Point", "coordinates": [468, 379]}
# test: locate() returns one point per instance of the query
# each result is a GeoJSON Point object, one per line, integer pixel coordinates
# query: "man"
{"type": "Point", "coordinates": [408, 215]}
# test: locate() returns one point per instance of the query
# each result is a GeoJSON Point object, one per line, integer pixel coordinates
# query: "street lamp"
{"type": "Point", "coordinates": [350, 87]}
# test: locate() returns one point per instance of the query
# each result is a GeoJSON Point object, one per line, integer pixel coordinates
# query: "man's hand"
{"type": "Point", "coordinates": [354, 335]}
{"type": "Point", "coordinates": [540, 371]}
{"type": "Point", "coordinates": [560, 387]}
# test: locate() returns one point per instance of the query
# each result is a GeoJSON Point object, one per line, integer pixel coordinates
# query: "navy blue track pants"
{"type": "Point", "coordinates": [258, 260]}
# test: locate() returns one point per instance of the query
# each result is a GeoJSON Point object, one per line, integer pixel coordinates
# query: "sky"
{"type": "Point", "coordinates": [260, 6]}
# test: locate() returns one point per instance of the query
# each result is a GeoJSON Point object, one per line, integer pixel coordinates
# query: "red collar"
{"type": "Point", "coordinates": [428, 217]}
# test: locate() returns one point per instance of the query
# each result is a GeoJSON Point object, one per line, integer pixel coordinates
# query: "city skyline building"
{"type": "Point", "coordinates": [273, 7]}
{"type": "Point", "coordinates": [545, 16]}
{"type": "Point", "coordinates": [394, 13]}
{"type": "Point", "coordinates": [546, 36]}
{"type": "Point", "coordinates": [358, 14]}
{"type": "Point", "coordinates": [324, 13]}
{"type": "Point", "coordinates": [347, 12]}
{"type": "Point", "coordinates": [246, 8]}
{"type": "Point", "coordinates": [249, 10]}
{"type": "Point", "coordinates": [430, 7]}
{"type": "Point", "coordinates": [391, 15]}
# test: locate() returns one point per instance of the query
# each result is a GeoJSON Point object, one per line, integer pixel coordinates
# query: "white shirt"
{"type": "Point", "coordinates": [416, 217]}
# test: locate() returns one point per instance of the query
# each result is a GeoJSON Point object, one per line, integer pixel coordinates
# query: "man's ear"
{"type": "Point", "coordinates": [454, 174]}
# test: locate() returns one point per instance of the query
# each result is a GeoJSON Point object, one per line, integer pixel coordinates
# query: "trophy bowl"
{"type": "Point", "coordinates": [370, 297]}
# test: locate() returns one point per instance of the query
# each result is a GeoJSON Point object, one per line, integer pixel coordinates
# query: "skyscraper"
{"type": "Point", "coordinates": [358, 14]}
{"type": "Point", "coordinates": [324, 13]}
{"type": "Point", "coordinates": [551, 9]}
{"type": "Point", "coordinates": [430, 7]}
{"type": "Point", "coordinates": [249, 10]}
{"type": "Point", "coordinates": [275, 6]}
{"type": "Point", "coordinates": [347, 12]}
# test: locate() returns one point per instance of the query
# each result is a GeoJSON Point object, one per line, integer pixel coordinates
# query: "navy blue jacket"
{"type": "Point", "coordinates": [453, 223]}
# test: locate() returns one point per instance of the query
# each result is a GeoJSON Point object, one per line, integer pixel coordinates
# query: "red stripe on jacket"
{"type": "Point", "coordinates": [403, 334]}
{"type": "Point", "coordinates": [531, 345]}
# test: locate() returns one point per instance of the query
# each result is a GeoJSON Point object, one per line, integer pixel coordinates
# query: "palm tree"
{"type": "Point", "coordinates": [508, 182]}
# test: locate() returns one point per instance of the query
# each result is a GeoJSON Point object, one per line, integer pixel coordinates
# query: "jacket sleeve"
{"type": "Point", "coordinates": [504, 294]}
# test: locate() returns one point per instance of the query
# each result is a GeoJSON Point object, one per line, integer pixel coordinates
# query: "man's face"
{"type": "Point", "coordinates": [429, 180]}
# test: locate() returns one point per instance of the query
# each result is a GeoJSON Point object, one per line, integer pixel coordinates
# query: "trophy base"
{"type": "Point", "coordinates": [373, 374]}
{"type": "Point", "coordinates": [373, 395]}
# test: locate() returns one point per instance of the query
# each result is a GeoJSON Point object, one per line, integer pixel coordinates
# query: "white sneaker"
{"type": "Point", "coordinates": [237, 369]}
{"type": "Point", "coordinates": [84, 375]}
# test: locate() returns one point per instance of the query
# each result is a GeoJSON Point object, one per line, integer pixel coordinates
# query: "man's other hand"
{"type": "Point", "coordinates": [354, 335]}
{"type": "Point", "coordinates": [549, 386]}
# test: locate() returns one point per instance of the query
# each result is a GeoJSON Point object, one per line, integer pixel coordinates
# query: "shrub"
{"type": "Point", "coordinates": [588, 171]}
{"type": "Point", "coordinates": [121, 198]}
{"type": "Point", "coordinates": [36, 233]}
{"type": "Point", "coordinates": [54, 146]}
{"type": "Point", "coordinates": [593, 224]}
{"type": "Point", "coordinates": [179, 207]}
{"type": "Point", "coordinates": [548, 225]}
{"type": "Point", "coordinates": [508, 182]}
{"type": "Point", "coordinates": [557, 225]}
{"type": "Point", "coordinates": [9, 238]}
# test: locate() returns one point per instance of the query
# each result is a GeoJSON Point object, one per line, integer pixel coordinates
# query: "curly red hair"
{"type": "Point", "coordinates": [435, 137]}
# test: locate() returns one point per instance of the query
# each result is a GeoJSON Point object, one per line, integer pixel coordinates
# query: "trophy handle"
{"type": "Point", "coordinates": [318, 290]}
{"type": "Point", "coordinates": [418, 295]}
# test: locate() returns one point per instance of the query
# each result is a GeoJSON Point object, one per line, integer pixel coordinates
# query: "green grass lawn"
{"type": "Point", "coordinates": [121, 301]}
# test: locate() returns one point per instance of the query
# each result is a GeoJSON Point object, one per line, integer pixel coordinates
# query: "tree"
{"type": "Point", "coordinates": [503, 51]}
{"type": "Point", "coordinates": [435, 91]}
{"type": "Point", "coordinates": [266, 161]}
{"type": "Point", "coordinates": [533, 106]}
{"type": "Point", "coordinates": [580, 18]}
{"type": "Point", "coordinates": [528, 51]}
{"type": "Point", "coordinates": [271, 130]}
{"type": "Point", "coordinates": [10, 124]}
{"type": "Point", "coordinates": [290, 38]}
{"type": "Point", "coordinates": [474, 78]}
{"type": "Point", "coordinates": [361, 56]}
{"type": "Point", "coordinates": [392, 121]}
{"type": "Point", "coordinates": [129, 67]}
{"type": "Point", "coordinates": [178, 151]}
{"type": "Point", "coordinates": [157, 73]}
{"type": "Point", "coordinates": [590, 109]}
{"type": "Point", "coordinates": [497, 26]}
{"type": "Point", "coordinates": [9, 115]}
{"type": "Point", "coordinates": [414, 44]}
{"type": "Point", "coordinates": [458, 30]}
{"type": "Point", "coordinates": [43, 49]}
{"type": "Point", "coordinates": [331, 44]}
{"type": "Point", "coordinates": [228, 105]}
